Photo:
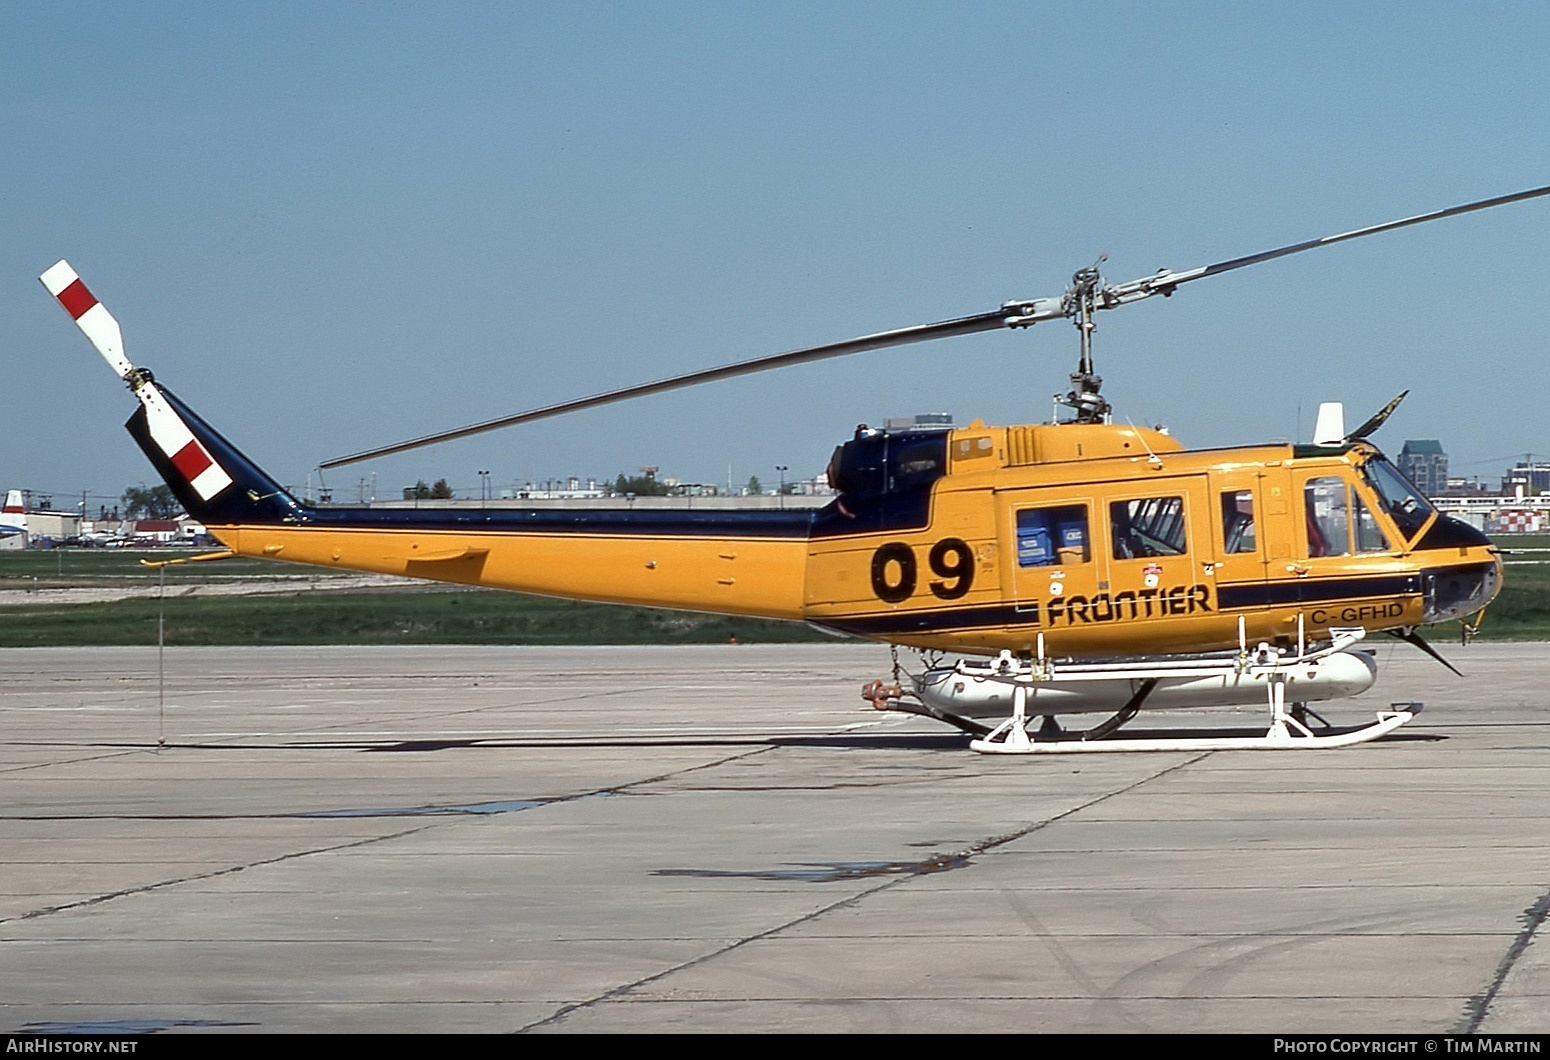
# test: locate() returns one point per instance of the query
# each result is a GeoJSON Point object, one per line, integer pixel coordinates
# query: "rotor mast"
{"type": "Point", "coordinates": [1080, 303]}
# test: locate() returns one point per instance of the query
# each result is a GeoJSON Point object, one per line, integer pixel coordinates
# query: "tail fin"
{"type": "Point", "coordinates": [13, 516]}
{"type": "Point", "coordinates": [213, 481]}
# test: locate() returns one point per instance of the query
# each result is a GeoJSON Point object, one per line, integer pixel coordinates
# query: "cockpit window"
{"type": "Point", "coordinates": [1369, 536]}
{"type": "Point", "coordinates": [1337, 518]}
{"type": "Point", "coordinates": [1327, 516]}
{"type": "Point", "coordinates": [1404, 503]}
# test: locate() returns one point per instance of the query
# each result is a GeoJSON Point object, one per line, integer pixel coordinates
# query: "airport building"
{"type": "Point", "coordinates": [1527, 477]}
{"type": "Point", "coordinates": [1499, 515]}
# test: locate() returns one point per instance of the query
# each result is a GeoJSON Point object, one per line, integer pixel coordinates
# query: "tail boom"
{"type": "Point", "coordinates": [730, 563]}
{"type": "Point", "coordinates": [723, 572]}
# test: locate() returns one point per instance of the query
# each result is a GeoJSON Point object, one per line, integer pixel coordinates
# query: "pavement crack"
{"type": "Point", "coordinates": [939, 863]}
{"type": "Point", "coordinates": [675, 773]}
{"type": "Point", "coordinates": [54, 762]}
{"type": "Point", "coordinates": [1479, 1006]}
{"type": "Point", "coordinates": [196, 876]}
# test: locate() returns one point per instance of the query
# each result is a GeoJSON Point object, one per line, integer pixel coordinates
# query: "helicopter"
{"type": "Point", "coordinates": [1071, 567]}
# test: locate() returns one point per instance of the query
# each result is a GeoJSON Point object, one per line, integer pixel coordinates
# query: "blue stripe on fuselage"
{"type": "Point", "coordinates": [605, 521]}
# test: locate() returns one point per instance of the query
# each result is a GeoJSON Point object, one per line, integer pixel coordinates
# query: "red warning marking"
{"type": "Point", "coordinates": [191, 460]}
{"type": "Point", "coordinates": [76, 299]}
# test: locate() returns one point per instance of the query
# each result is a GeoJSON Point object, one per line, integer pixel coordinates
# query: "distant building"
{"type": "Point", "coordinates": [159, 531]}
{"type": "Point", "coordinates": [1466, 487]}
{"type": "Point", "coordinates": [1500, 515]}
{"type": "Point", "coordinates": [46, 528]}
{"type": "Point", "coordinates": [1529, 477]}
{"type": "Point", "coordinates": [1424, 462]}
{"type": "Point", "coordinates": [554, 489]}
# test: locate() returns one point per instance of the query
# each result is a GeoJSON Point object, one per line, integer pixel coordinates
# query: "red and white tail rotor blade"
{"type": "Point", "coordinates": [90, 315]}
{"type": "Point", "coordinates": [191, 459]}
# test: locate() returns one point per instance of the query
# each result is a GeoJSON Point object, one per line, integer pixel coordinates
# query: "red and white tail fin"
{"type": "Point", "coordinates": [13, 516]}
{"type": "Point", "coordinates": [170, 434]}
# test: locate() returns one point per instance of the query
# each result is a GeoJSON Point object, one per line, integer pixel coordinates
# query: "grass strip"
{"type": "Point", "coordinates": [398, 617]}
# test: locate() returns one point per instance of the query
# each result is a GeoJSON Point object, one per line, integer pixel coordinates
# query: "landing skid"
{"type": "Point", "coordinates": [1010, 739]}
{"type": "Point", "coordinates": [1287, 730]}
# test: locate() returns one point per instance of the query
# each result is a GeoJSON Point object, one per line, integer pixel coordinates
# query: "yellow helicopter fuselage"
{"type": "Point", "coordinates": [1103, 540]}
{"type": "Point", "coordinates": [1082, 539]}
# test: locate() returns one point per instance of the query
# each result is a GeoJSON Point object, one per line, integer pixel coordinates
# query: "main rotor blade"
{"type": "Point", "coordinates": [883, 339]}
{"type": "Point", "coordinates": [1165, 281]}
{"type": "Point", "coordinates": [1377, 419]}
{"type": "Point", "coordinates": [1015, 314]}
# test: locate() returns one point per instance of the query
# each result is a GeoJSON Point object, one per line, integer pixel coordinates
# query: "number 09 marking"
{"type": "Point", "coordinates": [895, 573]}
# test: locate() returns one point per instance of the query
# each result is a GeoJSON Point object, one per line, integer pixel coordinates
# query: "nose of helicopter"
{"type": "Point", "coordinates": [1454, 592]}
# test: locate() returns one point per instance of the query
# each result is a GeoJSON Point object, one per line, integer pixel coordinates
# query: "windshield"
{"type": "Point", "coordinates": [1404, 503]}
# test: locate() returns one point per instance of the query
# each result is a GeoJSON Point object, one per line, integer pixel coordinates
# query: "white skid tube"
{"type": "Point", "coordinates": [1295, 737]}
{"type": "Point", "coordinates": [1267, 665]}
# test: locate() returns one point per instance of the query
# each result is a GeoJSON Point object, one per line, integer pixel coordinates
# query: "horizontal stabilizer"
{"type": "Point", "coordinates": [451, 555]}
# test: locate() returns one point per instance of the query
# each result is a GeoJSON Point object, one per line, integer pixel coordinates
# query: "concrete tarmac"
{"type": "Point", "coordinates": [726, 839]}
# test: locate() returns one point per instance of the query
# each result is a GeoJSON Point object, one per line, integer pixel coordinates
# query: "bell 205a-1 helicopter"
{"type": "Point", "coordinates": [1080, 566]}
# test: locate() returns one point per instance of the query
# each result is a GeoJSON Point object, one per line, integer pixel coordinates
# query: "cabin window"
{"type": "Point", "coordinates": [1238, 522]}
{"type": "Point", "coordinates": [1052, 537]}
{"type": "Point", "coordinates": [1151, 526]}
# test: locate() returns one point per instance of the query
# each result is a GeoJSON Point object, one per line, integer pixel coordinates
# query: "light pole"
{"type": "Point", "coordinates": [781, 493]}
{"type": "Point", "coordinates": [484, 488]}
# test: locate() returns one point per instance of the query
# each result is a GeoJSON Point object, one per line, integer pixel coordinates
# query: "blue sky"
{"type": "Point", "coordinates": [330, 226]}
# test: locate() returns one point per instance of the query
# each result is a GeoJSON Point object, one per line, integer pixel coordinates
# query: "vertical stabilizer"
{"type": "Point", "coordinates": [214, 482]}
{"type": "Point", "coordinates": [13, 517]}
